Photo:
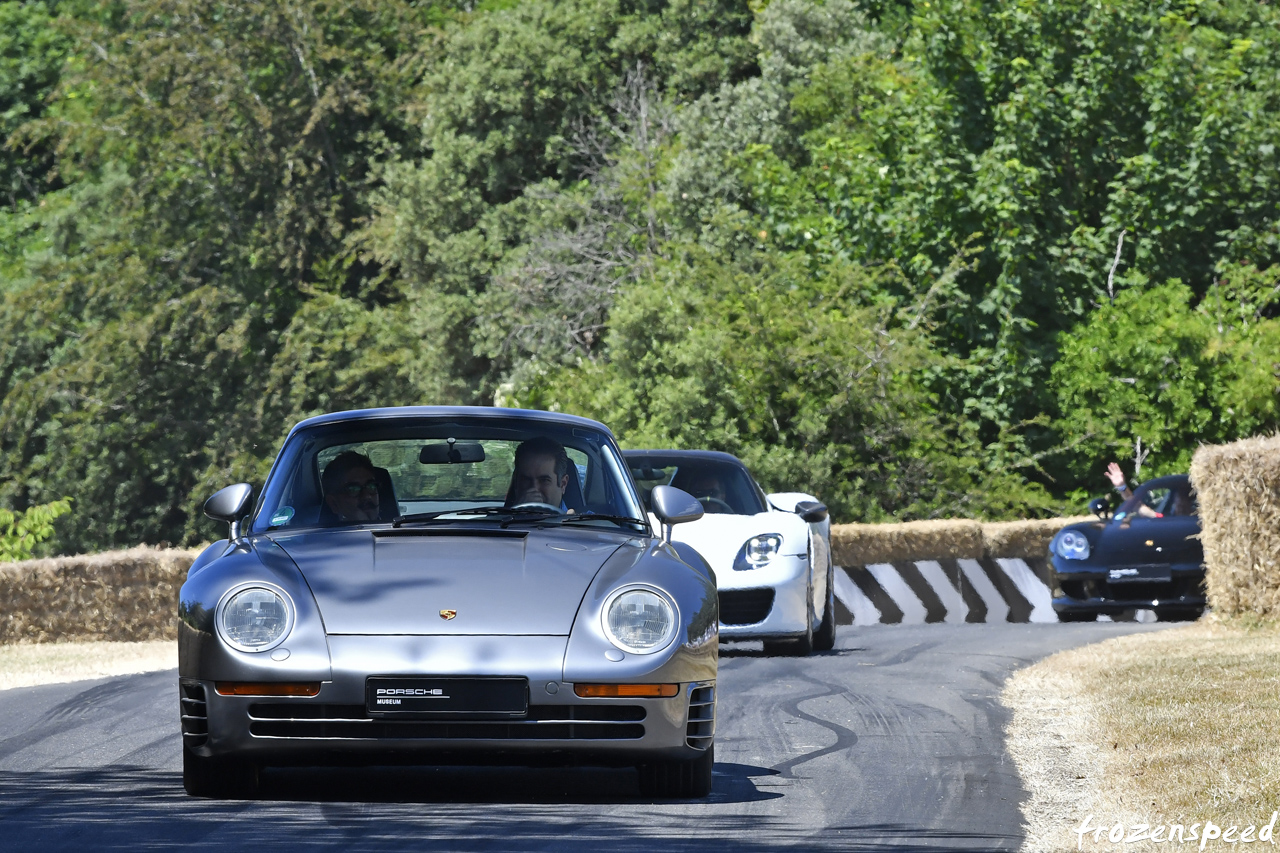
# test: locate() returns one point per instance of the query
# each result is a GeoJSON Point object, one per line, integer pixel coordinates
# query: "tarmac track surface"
{"type": "Point", "coordinates": [891, 742]}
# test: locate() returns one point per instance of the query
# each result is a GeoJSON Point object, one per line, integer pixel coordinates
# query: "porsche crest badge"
{"type": "Point", "coordinates": [446, 615]}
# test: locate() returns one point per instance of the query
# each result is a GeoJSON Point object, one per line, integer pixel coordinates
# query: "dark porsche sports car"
{"type": "Point", "coordinates": [1146, 555]}
{"type": "Point", "coordinates": [435, 585]}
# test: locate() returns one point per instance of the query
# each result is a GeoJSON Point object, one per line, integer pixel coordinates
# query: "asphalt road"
{"type": "Point", "coordinates": [892, 742]}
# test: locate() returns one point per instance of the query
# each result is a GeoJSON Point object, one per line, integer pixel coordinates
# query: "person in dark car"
{"type": "Point", "coordinates": [351, 488]}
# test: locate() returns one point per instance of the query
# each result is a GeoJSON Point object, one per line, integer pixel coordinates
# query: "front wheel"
{"type": "Point", "coordinates": [669, 780]}
{"type": "Point", "coordinates": [825, 638]}
{"type": "Point", "coordinates": [1077, 617]}
{"type": "Point", "coordinates": [799, 647]}
{"type": "Point", "coordinates": [218, 778]}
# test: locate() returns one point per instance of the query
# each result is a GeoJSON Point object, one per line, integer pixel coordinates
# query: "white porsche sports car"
{"type": "Point", "coordinates": [771, 553]}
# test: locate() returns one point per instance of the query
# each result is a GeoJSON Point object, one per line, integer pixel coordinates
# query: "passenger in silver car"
{"type": "Point", "coordinates": [351, 488]}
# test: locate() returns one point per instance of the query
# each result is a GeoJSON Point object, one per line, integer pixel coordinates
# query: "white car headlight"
{"type": "Point", "coordinates": [640, 621]}
{"type": "Point", "coordinates": [255, 619]}
{"type": "Point", "coordinates": [758, 551]}
{"type": "Point", "coordinates": [1071, 545]}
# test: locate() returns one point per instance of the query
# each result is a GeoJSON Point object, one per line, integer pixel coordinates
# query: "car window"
{"type": "Point", "coordinates": [385, 470]}
{"type": "Point", "coordinates": [1160, 499]}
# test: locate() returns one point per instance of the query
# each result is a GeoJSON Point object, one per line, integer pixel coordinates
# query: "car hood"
{"type": "Point", "coordinates": [1143, 540]}
{"type": "Point", "coordinates": [408, 581]}
{"type": "Point", "coordinates": [719, 536]}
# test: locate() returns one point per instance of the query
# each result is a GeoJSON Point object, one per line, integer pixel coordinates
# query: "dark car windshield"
{"type": "Point", "coordinates": [1165, 497]}
{"type": "Point", "coordinates": [446, 470]}
{"type": "Point", "coordinates": [721, 485]}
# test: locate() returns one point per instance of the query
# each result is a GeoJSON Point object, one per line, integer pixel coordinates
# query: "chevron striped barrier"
{"type": "Point", "coordinates": [990, 589]}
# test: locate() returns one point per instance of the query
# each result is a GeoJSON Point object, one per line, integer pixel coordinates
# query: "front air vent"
{"type": "Point", "coordinates": [351, 722]}
{"type": "Point", "coordinates": [702, 715]}
{"type": "Point", "coordinates": [195, 713]}
{"type": "Point", "coordinates": [745, 606]}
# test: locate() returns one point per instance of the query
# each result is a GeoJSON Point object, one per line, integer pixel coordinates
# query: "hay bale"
{"type": "Point", "coordinates": [1238, 487]}
{"type": "Point", "coordinates": [1023, 539]}
{"type": "Point", "coordinates": [118, 595]}
{"type": "Point", "coordinates": [863, 544]}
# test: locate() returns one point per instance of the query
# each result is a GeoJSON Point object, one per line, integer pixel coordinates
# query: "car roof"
{"type": "Point", "coordinates": [491, 412]}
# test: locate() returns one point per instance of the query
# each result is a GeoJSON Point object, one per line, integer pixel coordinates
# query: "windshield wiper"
{"type": "Point", "coordinates": [596, 516]}
{"type": "Point", "coordinates": [418, 517]}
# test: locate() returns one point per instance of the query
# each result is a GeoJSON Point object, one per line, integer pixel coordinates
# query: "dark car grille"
{"type": "Point", "coordinates": [351, 722]}
{"type": "Point", "coordinates": [745, 606]}
{"type": "Point", "coordinates": [195, 714]}
{"type": "Point", "coordinates": [702, 716]}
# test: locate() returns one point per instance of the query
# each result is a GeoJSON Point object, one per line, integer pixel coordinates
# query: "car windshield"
{"type": "Point", "coordinates": [415, 470]}
{"type": "Point", "coordinates": [1162, 498]}
{"type": "Point", "coordinates": [721, 485]}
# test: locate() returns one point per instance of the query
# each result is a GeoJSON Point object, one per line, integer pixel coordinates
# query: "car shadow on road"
{"type": "Point", "coordinates": [138, 808]}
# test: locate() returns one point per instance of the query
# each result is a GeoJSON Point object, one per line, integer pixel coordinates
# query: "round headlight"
{"type": "Point", "coordinates": [1072, 545]}
{"type": "Point", "coordinates": [255, 619]}
{"type": "Point", "coordinates": [640, 621]}
{"type": "Point", "coordinates": [757, 552]}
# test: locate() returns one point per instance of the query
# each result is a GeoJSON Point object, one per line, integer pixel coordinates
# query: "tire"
{"type": "Point", "coordinates": [670, 780]}
{"type": "Point", "coordinates": [1179, 615]}
{"type": "Point", "coordinates": [825, 638]}
{"type": "Point", "coordinates": [796, 647]}
{"type": "Point", "coordinates": [1077, 617]}
{"type": "Point", "coordinates": [218, 778]}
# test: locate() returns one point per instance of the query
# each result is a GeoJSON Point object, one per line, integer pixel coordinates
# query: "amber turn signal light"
{"type": "Point", "coordinates": [254, 688]}
{"type": "Point", "coordinates": [621, 691]}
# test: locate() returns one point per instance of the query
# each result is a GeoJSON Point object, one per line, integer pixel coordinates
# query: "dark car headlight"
{"type": "Point", "coordinates": [640, 620]}
{"type": "Point", "coordinates": [254, 618]}
{"type": "Point", "coordinates": [1071, 545]}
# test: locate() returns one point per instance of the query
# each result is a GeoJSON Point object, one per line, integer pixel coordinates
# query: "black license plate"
{"type": "Point", "coordinates": [447, 696]}
{"type": "Point", "coordinates": [1143, 574]}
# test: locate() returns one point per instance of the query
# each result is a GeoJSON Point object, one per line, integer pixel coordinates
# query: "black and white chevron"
{"type": "Point", "coordinates": [912, 592]}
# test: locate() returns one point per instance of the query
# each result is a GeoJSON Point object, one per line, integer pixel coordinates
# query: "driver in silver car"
{"type": "Point", "coordinates": [541, 474]}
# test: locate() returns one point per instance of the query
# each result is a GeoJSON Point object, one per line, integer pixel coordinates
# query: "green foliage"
{"type": "Point", "coordinates": [21, 532]}
{"type": "Point", "coordinates": [865, 246]}
{"type": "Point", "coordinates": [809, 380]}
{"type": "Point", "coordinates": [1155, 368]}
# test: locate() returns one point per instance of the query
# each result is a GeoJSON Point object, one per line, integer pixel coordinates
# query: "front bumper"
{"type": "Point", "coordinates": [768, 602]}
{"type": "Point", "coordinates": [1089, 589]}
{"type": "Point", "coordinates": [335, 728]}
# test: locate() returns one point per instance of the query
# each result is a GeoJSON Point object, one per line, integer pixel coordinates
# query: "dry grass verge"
{"type": "Point", "coordinates": [53, 663]}
{"type": "Point", "coordinates": [1170, 727]}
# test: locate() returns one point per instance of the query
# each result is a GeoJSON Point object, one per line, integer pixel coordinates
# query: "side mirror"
{"type": "Point", "coordinates": [1100, 508]}
{"type": "Point", "coordinates": [230, 505]}
{"type": "Point", "coordinates": [673, 506]}
{"type": "Point", "coordinates": [812, 512]}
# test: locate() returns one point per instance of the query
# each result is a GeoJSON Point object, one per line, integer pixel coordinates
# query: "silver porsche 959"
{"type": "Point", "coordinates": [445, 585]}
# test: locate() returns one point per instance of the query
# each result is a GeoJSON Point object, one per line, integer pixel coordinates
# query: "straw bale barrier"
{"type": "Point", "coordinates": [118, 595]}
{"type": "Point", "coordinates": [947, 539]}
{"type": "Point", "coordinates": [1238, 487]}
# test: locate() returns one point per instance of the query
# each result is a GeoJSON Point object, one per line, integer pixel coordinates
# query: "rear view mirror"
{"type": "Point", "coordinates": [450, 453]}
{"type": "Point", "coordinates": [812, 511]}
{"type": "Point", "coordinates": [230, 505]}
{"type": "Point", "coordinates": [1100, 508]}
